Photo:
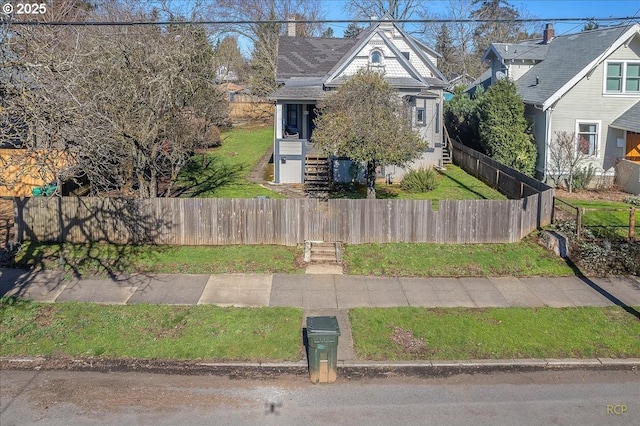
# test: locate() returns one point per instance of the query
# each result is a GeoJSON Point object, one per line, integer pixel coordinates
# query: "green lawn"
{"type": "Point", "coordinates": [89, 259]}
{"type": "Point", "coordinates": [500, 333]}
{"type": "Point", "coordinates": [526, 258]}
{"type": "Point", "coordinates": [607, 222]}
{"type": "Point", "coordinates": [227, 167]}
{"type": "Point", "coordinates": [453, 184]}
{"type": "Point", "coordinates": [149, 331]}
{"type": "Point", "coordinates": [274, 334]}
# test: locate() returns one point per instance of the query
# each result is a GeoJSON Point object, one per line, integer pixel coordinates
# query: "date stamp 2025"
{"type": "Point", "coordinates": [24, 8]}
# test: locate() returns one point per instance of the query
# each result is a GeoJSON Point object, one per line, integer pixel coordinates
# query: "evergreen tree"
{"type": "Point", "coordinates": [352, 31]}
{"type": "Point", "coordinates": [590, 25]}
{"type": "Point", "coordinates": [328, 33]}
{"type": "Point", "coordinates": [461, 117]}
{"type": "Point", "coordinates": [444, 46]}
{"type": "Point", "coordinates": [504, 131]}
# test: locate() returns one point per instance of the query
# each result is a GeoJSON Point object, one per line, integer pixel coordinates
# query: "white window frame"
{"type": "Point", "coordinates": [423, 110]}
{"type": "Point", "coordinates": [623, 92]}
{"type": "Point", "coordinates": [598, 134]}
{"type": "Point", "coordinates": [374, 64]}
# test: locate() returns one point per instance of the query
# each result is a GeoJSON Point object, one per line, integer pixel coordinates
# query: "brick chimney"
{"type": "Point", "coordinates": [548, 34]}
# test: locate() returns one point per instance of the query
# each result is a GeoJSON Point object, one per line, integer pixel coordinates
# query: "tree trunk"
{"type": "Point", "coordinates": [370, 178]}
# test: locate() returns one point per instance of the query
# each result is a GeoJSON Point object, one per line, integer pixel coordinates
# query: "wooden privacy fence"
{"type": "Point", "coordinates": [508, 181]}
{"type": "Point", "coordinates": [198, 221]}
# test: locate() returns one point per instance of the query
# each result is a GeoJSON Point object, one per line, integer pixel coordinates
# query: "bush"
{"type": "Point", "coordinates": [420, 180]}
{"type": "Point", "coordinates": [633, 200]}
{"type": "Point", "coordinates": [582, 177]}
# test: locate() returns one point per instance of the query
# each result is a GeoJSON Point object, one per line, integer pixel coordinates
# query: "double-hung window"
{"type": "Point", "coordinates": [622, 77]}
{"type": "Point", "coordinates": [632, 80]}
{"type": "Point", "coordinates": [588, 136]}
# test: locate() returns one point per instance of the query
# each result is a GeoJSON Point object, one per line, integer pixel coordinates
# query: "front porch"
{"type": "Point", "coordinates": [293, 129]}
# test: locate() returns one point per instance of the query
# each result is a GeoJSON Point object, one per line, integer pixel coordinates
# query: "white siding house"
{"type": "Point", "coordinates": [308, 68]}
{"type": "Point", "coordinates": [586, 83]}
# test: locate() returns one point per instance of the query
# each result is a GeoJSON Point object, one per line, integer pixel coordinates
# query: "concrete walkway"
{"type": "Point", "coordinates": [324, 294]}
{"type": "Point", "coordinates": [322, 291]}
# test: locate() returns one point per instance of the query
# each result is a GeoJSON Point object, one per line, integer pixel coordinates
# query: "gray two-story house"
{"type": "Point", "coordinates": [587, 84]}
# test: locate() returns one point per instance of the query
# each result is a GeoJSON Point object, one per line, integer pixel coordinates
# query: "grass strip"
{"type": "Point", "coordinates": [88, 259]}
{"type": "Point", "coordinates": [501, 333]}
{"type": "Point", "coordinates": [526, 258]}
{"type": "Point", "coordinates": [149, 331]}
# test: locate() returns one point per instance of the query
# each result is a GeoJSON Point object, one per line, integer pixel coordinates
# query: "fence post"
{"type": "Point", "coordinates": [632, 222]}
{"type": "Point", "coordinates": [578, 222]}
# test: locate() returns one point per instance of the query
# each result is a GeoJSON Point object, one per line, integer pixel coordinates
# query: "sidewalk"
{"type": "Point", "coordinates": [324, 294]}
{"type": "Point", "coordinates": [323, 291]}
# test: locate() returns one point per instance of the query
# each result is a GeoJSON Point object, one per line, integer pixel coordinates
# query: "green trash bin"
{"type": "Point", "coordinates": [322, 338]}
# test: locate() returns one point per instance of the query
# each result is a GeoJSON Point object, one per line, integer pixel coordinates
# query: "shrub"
{"type": "Point", "coordinates": [582, 177]}
{"type": "Point", "coordinates": [633, 200]}
{"type": "Point", "coordinates": [420, 180]}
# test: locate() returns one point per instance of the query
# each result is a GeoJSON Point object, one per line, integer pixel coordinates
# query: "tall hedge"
{"type": "Point", "coordinates": [504, 132]}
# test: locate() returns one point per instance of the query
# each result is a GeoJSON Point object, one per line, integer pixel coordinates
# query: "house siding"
{"type": "Point", "coordinates": [586, 102]}
{"type": "Point", "coordinates": [517, 70]}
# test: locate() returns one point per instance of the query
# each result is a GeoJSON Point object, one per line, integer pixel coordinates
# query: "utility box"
{"type": "Point", "coordinates": [322, 338]}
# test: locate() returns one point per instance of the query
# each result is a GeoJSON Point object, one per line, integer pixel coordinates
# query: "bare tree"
{"type": "Point", "coordinates": [263, 34]}
{"type": "Point", "coordinates": [125, 105]}
{"type": "Point", "coordinates": [566, 154]}
{"type": "Point", "coordinates": [397, 9]}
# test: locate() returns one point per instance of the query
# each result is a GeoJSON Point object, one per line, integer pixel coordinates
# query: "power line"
{"type": "Point", "coordinates": [320, 21]}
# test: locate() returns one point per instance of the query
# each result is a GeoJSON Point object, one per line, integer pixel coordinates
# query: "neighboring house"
{"type": "Point", "coordinates": [309, 68]}
{"type": "Point", "coordinates": [226, 75]}
{"type": "Point", "coordinates": [586, 83]}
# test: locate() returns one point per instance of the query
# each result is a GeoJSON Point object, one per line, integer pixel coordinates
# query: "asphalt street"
{"type": "Point", "coordinates": [552, 397]}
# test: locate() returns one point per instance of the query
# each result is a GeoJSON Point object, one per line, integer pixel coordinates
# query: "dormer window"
{"type": "Point", "coordinates": [376, 58]}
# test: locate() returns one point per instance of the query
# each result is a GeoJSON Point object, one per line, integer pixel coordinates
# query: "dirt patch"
{"type": "Point", "coordinates": [594, 195]}
{"type": "Point", "coordinates": [406, 340]}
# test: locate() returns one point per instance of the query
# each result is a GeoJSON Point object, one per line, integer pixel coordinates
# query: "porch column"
{"type": "Point", "coordinates": [279, 117]}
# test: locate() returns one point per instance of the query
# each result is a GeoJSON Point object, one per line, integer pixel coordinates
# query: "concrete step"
{"type": "Point", "coordinates": [315, 258]}
{"type": "Point", "coordinates": [323, 252]}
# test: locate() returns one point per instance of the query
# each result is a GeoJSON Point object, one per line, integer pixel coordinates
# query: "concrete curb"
{"type": "Point", "coordinates": [346, 369]}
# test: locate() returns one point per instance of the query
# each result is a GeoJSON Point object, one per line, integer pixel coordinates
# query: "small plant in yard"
{"type": "Point", "coordinates": [582, 177]}
{"type": "Point", "coordinates": [420, 180]}
{"type": "Point", "coordinates": [633, 200]}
